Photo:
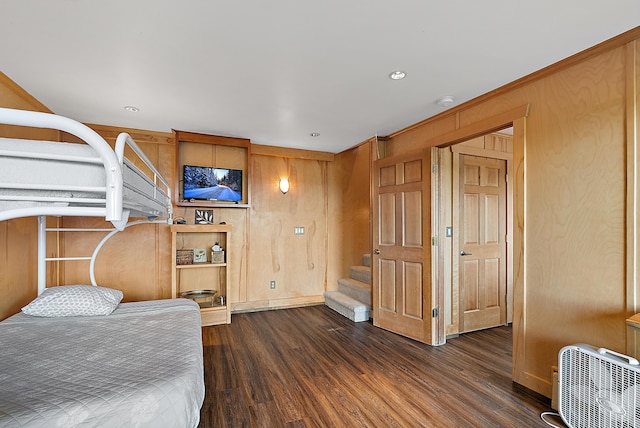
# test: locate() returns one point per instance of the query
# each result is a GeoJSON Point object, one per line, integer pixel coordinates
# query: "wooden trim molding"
{"type": "Point", "coordinates": [21, 93]}
{"type": "Point", "coordinates": [193, 137]}
{"type": "Point", "coordinates": [266, 305]}
{"type": "Point", "coordinates": [259, 149]}
{"type": "Point", "coordinates": [139, 136]}
{"type": "Point", "coordinates": [482, 127]}
{"type": "Point", "coordinates": [633, 186]}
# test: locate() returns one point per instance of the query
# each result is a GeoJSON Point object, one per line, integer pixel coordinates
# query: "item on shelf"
{"type": "Point", "coordinates": [200, 294]}
{"type": "Point", "coordinates": [217, 257]}
{"type": "Point", "coordinates": [184, 257]}
{"type": "Point", "coordinates": [217, 254]}
{"type": "Point", "coordinates": [199, 255]}
{"type": "Point", "coordinates": [204, 217]}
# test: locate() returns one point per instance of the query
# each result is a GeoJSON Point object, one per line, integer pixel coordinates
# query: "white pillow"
{"type": "Point", "coordinates": [74, 300]}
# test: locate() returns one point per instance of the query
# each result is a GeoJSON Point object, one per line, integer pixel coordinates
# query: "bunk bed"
{"type": "Point", "coordinates": [76, 355]}
{"type": "Point", "coordinates": [51, 178]}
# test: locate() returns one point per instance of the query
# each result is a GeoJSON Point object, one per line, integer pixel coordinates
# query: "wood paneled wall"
{"type": "Point", "coordinates": [572, 283]}
{"type": "Point", "coordinates": [297, 263]}
{"type": "Point", "coordinates": [18, 238]}
{"type": "Point", "coordinates": [349, 231]}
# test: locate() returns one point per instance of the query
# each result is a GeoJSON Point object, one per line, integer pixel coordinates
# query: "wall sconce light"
{"type": "Point", "coordinates": [284, 185]}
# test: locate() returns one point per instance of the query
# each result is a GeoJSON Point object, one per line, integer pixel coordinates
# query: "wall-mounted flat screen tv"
{"type": "Point", "coordinates": [212, 184]}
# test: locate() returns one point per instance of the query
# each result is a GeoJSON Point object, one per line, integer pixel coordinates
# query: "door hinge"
{"type": "Point", "coordinates": [434, 168]}
{"type": "Point", "coordinates": [435, 312]}
{"type": "Point", "coordinates": [434, 241]}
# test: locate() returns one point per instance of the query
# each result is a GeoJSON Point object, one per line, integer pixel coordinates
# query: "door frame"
{"type": "Point", "coordinates": [515, 118]}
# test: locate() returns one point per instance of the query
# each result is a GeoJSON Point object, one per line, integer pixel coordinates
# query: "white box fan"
{"type": "Point", "coordinates": [598, 388]}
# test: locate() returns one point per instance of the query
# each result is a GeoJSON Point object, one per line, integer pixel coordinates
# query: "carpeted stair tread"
{"type": "Point", "coordinates": [355, 289]}
{"type": "Point", "coordinates": [366, 260]}
{"type": "Point", "coordinates": [361, 273]}
{"type": "Point", "coordinates": [347, 306]}
{"type": "Point", "coordinates": [350, 282]}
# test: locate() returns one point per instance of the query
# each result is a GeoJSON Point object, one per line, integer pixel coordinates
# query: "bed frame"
{"type": "Point", "coordinates": [50, 178]}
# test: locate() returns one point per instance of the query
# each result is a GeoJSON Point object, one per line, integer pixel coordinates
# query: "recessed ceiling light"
{"type": "Point", "coordinates": [446, 101]}
{"type": "Point", "coordinates": [397, 75]}
{"type": "Point", "coordinates": [315, 134]}
{"type": "Point", "coordinates": [132, 109]}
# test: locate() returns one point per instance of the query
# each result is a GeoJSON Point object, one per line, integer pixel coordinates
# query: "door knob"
{"type": "Point", "coordinates": [464, 253]}
{"type": "Point", "coordinates": [376, 251]}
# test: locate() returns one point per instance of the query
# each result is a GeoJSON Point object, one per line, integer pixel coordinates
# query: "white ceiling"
{"type": "Point", "coordinates": [275, 71]}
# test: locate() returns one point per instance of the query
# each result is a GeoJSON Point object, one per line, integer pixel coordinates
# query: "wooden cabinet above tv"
{"type": "Point", "coordinates": [204, 153]}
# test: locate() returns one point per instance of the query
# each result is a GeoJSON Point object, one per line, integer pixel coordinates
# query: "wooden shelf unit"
{"type": "Point", "coordinates": [205, 275]}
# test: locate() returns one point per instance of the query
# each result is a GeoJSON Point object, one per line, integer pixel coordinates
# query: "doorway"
{"type": "Point", "coordinates": [473, 205]}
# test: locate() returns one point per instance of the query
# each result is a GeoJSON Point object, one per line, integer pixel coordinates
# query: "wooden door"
{"type": "Point", "coordinates": [482, 243]}
{"type": "Point", "coordinates": [401, 270]}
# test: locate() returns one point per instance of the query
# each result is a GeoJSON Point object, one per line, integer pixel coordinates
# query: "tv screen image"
{"type": "Point", "coordinates": [212, 184]}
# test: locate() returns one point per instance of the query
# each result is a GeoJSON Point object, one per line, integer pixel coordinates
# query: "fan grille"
{"type": "Point", "coordinates": [596, 391]}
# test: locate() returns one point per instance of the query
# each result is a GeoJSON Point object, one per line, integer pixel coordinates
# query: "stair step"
{"type": "Point", "coordinates": [355, 289]}
{"type": "Point", "coordinates": [366, 260]}
{"type": "Point", "coordinates": [361, 273]}
{"type": "Point", "coordinates": [347, 306]}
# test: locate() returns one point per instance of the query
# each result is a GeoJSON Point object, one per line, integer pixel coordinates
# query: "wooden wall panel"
{"type": "Point", "coordinates": [18, 238]}
{"type": "Point", "coordinates": [349, 231]}
{"type": "Point", "coordinates": [296, 262]}
{"type": "Point", "coordinates": [130, 261]}
{"type": "Point", "coordinates": [575, 218]}
{"type": "Point", "coordinates": [18, 270]}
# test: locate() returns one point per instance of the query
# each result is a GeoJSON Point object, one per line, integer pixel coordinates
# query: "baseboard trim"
{"type": "Point", "coordinates": [267, 305]}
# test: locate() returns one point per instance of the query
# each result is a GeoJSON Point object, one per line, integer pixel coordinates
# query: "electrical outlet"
{"type": "Point", "coordinates": [298, 230]}
{"type": "Point", "coordinates": [272, 285]}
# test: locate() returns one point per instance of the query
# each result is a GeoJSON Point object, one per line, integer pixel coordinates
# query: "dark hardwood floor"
{"type": "Point", "coordinates": [310, 367]}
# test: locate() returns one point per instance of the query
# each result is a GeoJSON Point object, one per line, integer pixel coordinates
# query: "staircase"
{"type": "Point", "coordinates": [353, 298]}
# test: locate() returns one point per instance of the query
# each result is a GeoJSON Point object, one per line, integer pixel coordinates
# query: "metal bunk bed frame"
{"type": "Point", "coordinates": [111, 207]}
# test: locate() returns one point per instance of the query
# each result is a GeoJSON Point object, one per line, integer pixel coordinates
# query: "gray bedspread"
{"type": "Point", "coordinates": [141, 366]}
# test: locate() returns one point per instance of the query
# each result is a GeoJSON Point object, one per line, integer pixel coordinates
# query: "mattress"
{"type": "Point", "coordinates": [141, 366]}
{"type": "Point", "coordinates": [40, 173]}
